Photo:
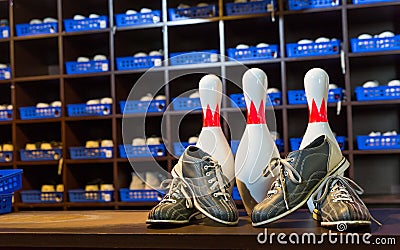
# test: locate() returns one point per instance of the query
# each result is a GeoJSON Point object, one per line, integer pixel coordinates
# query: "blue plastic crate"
{"type": "Point", "coordinates": [130, 151]}
{"type": "Point", "coordinates": [82, 109]}
{"type": "Point", "coordinates": [179, 147]}
{"type": "Point", "coordinates": [4, 32]}
{"type": "Point", "coordinates": [366, 142]}
{"type": "Point", "coordinates": [372, 1]}
{"type": "Point", "coordinates": [250, 8]}
{"type": "Point", "coordinates": [41, 155]}
{"type": "Point", "coordinates": [130, 62]}
{"type": "Point", "coordinates": [236, 194]}
{"type": "Point", "coordinates": [36, 29]}
{"type": "Point", "coordinates": [129, 195]}
{"type": "Point", "coordinates": [299, 96]}
{"type": "Point", "coordinates": [186, 103]}
{"type": "Point", "coordinates": [313, 49]}
{"type": "Point", "coordinates": [295, 142]}
{"type": "Point", "coordinates": [204, 56]}
{"type": "Point", "coordinates": [10, 180]}
{"type": "Point", "coordinates": [133, 106]}
{"type": "Point", "coordinates": [375, 44]}
{"type": "Point", "coordinates": [5, 74]}
{"type": "Point", "coordinates": [274, 99]}
{"type": "Point", "coordinates": [311, 4]}
{"type": "Point", "coordinates": [377, 93]}
{"type": "Point", "coordinates": [235, 145]}
{"type": "Point", "coordinates": [253, 53]}
{"type": "Point", "coordinates": [30, 113]}
{"type": "Point", "coordinates": [6, 203]}
{"type": "Point", "coordinates": [6, 115]}
{"type": "Point", "coordinates": [124, 20]}
{"type": "Point", "coordinates": [73, 68]}
{"type": "Point", "coordinates": [36, 196]}
{"type": "Point", "coordinates": [80, 195]}
{"type": "Point", "coordinates": [71, 25]}
{"type": "Point", "coordinates": [193, 12]}
{"type": "Point", "coordinates": [78, 153]}
{"type": "Point", "coordinates": [6, 156]}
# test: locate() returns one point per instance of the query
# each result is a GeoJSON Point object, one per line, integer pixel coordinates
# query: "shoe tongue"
{"type": "Point", "coordinates": [194, 153]}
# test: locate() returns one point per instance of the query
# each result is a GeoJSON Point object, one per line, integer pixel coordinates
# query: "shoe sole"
{"type": "Point", "coordinates": [350, 222]}
{"type": "Point", "coordinates": [342, 164]}
{"type": "Point", "coordinates": [197, 215]}
{"type": "Point", "coordinates": [175, 174]}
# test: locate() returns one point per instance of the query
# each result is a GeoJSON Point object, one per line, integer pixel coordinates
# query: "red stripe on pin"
{"type": "Point", "coordinates": [315, 115]}
{"type": "Point", "coordinates": [254, 116]}
{"type": "Point", "coordinates": [210, 119]}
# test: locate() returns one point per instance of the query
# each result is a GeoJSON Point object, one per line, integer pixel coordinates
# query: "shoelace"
{"type": "Point", "coordinates": [340, 193]}
{"type": "Point", "coordinates": [285, 169]}
{"type": "Point", "coordinates": [176, 190]}
{"type": "Point", "coordinates": [218, 180]}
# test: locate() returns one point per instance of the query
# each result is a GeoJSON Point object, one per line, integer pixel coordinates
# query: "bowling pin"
{"type": "Point", "coordinates": [316, 85]}
{"type": "Point", "coordinates": [256, 148]}
{"type": "Point", "coordinates": [211, 139]}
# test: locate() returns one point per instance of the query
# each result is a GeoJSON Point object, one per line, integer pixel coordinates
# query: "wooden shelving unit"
{"type": "Point", "coordinates": [38, 75]}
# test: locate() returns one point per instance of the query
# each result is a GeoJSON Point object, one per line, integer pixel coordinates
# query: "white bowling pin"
{"type": "Point", "coordinates": [316, 85]}
{"type": "Point", "coordinates": [211, 139]}
{"type": "Point", "coordinates": [256, 148]}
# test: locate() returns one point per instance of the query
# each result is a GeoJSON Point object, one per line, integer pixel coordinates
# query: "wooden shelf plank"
{"type": "Point", "coordinates": [376, 53]}
{"type": "Point", "coordinates": [87, 32]}
{"type": "Point", "coordinates": [376, 152]}
{"type": "Point", "coordinates": [35, 37]}
{"type": "Point", "coordinates": [36, 78]}
{"type": "Point", "coordinates": [88, 161]}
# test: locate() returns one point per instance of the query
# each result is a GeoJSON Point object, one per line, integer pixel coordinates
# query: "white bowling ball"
{"type": "Point", "coordinates": [370, 84]}
{"type": "Point", "coordinates": [273, 90]}
{"type": "Point", "coordinates": [79, 17]}
{"type": "Point", "coordinates": [365, 36]}
{"type": "Point", "coordinates": [394, 83]}
{"type": "Point", "coordinates": [305, 41]}
{"type": "Point", "coordinates": [386, 34]}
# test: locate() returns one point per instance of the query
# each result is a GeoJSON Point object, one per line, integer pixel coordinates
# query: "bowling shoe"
{"type": "Point", "coordinates": [208, 186]}
{"type": "Point", "coordinates": [300, 174]}
{"type": "Point", "coordinates": [176, 207]}
{"type": "Point", "coordinates": [337, 202]}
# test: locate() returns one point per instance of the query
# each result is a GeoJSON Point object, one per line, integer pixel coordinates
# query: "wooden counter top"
{"type": "Point", "coordinates": [127, 229]}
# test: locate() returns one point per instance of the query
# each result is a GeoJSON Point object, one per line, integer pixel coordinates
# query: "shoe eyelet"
{"type": "Point", "coordinates": [215, 195]}
{"type": "Point", "coordinates": [174, 201]}
{"type": "Point", "coordinates": [205, 167]}
{"type": "Point", "coordinates": [208, 174]}
{"type": "Point", "coordinates": [209, 181]}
